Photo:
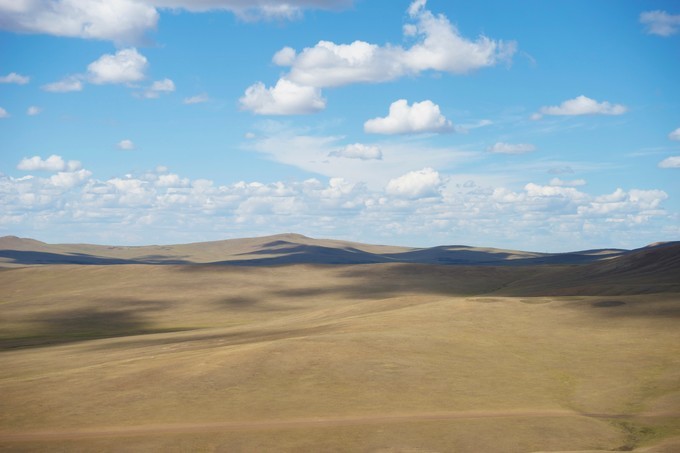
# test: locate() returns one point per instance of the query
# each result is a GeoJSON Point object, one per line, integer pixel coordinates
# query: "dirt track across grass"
{"type": "Point", "coordinates": [297, 423]}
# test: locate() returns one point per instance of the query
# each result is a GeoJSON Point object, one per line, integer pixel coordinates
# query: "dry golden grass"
{"type": "Point", "coordinates": [382, 358]}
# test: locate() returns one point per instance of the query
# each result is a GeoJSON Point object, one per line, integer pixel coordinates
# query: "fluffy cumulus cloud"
{"type": "Point", "coordinates": [582, 105]}
{"type": "Point", "coordinates": [660, 23]}
{"type": "Point", "coordinates": [13, 77]}
{"type": "Point", "coordinates": [33, 110]}
{"type": "Point", "coordinates": [286, 98]}
{"type": "Point", "coordinates": [511, 148]}
{"type": "Point", "coordinates": [634, 202]}
{"type": "Point", "coordinates": [121, 21]}
{"type": "Point", "coordinates": [416, 184]}
{"type": "Point", "coordinates": [69, 179]}
{"type": "Point", "coordinates": [53, 163]}
{"type": "Point", "coordinates": [157, 88]}
{"type": "Point", "coordinates": [675, 135]}
{"type": "Point", "coordinates": [126, 145]}
{"type": "Point", "coordinates": [125, 66]}
{"type": "Point", "coordinates": [127, 21]}
{"type": "Point", "coordinates": [435, 45]}
{"type": "Point", "coordinates": [552, 204]}
{"type": "Point", "coordinates": [670, 162]}
{"type": "Point", "coordinates": [420, 117]}
{"type": "Point", "coordinates": [416, 207]}
{"type": "Point", "coordinates": [3, 113]}
{"type": "Point", "coordinates": [358, 151]}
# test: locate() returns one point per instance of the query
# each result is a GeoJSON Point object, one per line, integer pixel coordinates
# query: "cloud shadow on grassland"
{"type": "Point", "coordinates": [27, 257]}
{"type": "Point", "coordinates": [68, 326]}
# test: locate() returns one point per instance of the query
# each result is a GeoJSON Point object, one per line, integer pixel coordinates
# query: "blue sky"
{"type": "Point", "coordinates": [530, 125]}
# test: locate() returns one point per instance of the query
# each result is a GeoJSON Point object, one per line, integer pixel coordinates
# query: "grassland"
{"type": "Point", "coordinates": [379, 357]}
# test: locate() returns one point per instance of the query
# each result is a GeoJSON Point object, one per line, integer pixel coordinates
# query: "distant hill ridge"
{"type": "Point", "coordinates": [292, 248]}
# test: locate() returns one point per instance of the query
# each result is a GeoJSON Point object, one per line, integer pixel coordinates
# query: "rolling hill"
{"type": "Point", "coordinates": [278, 250]}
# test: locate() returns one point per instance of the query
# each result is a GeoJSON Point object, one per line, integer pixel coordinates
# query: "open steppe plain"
{"type": "Point", "coordinates": [381, 357]}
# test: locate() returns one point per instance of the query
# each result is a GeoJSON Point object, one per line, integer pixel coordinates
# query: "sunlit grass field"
{"type": "Point", "coordinates": [330, 358]}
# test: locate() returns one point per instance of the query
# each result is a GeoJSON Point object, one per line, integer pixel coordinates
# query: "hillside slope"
{"type": "Point", "coordinates": [651, 269]}
{"type": "Point", "coordinates": [278, 250]}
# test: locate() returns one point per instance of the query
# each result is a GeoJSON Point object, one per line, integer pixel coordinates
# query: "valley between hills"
{"type": "Point", "coordinates": [289, 343]}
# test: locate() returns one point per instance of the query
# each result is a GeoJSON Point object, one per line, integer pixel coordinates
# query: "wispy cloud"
{"type": "Point", "coordinates": [126, 145]}
{"type": "Point", "coordinates": [511, 148]}
{"type": "Point", "coordinates": [670, 162]}
{"type": "Point", "coordinates": [660, 23]}
{"type": "Point", "coordinates": [198, 99]}
{"type": "Point", "coordinates": [581, 105]}
{"type": "Point", "coordinates": [13, 77]}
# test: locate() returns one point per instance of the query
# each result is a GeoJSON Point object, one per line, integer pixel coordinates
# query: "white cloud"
{"type": "Point", "coordinates": [127, 21]}
{"type": "Point", "coordinates": [126, 145]}
{"type": "Point", "coordinates": [660, 22]}
{"type": "Point", "coordinates": [13, 77]}
{"type": "Point", "coordinates": [165, 85]}
{"type": "Point", "coordinates": [465, 128]}
{"type": "Point", "coordinates": [284, 57]}
{"type": "Point", "coordinates": [416, 184]}
{"type": "Point", "coordinates": [619, 203]}
{"type": "Point", "coordinates": [122, 21]}
{"type": "Point", "coordinates": [512, 148]}
{"type": "Point", "coordinates": [3, 113]}
{"type": "Point", "coordinates": [33, 110]}
{"type": "Point", "coordinates": [416, 7]}
{"type": "Point", "coordinates": [125, 66]}
{"type": "Point", "coordinates": [675, 135]}
{"type": "Point", "coordinates": [358, 151]}
{"type": "Point", "coordinates": [172, 180]}
{"type": "Point", "coordinates": [159, 87]}
{"type": "Point", "coordinates": [68, 84]}
{"type": "Point", "coordinates": [198, 99]}
{"type": "Point", "coordinates": [311, 153]}
{"type": "Point", "coordinates": [52, 163]}
{"type": "Point", "coordinates": [421, 117]}
{"type": "Point", "coordinates": [286, 98]}
{"type": "Point", "coordinates": [564, 183]}
{"type": "Point", "coordinates": [670, 162]}
{"type": "Point", "coordinates": [567, 193]}
{"type": "Point", "coordinates": [423, 207]}
{"type": "Point", "coordinates": [582, 105]}
{"type": "Point", "coordinates": [438, 46]}
{"type": "Point", "coordinates": [69, 179]}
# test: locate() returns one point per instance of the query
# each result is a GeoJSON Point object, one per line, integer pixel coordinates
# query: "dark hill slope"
{"type": "Point", "coordinates": [651, 269]}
